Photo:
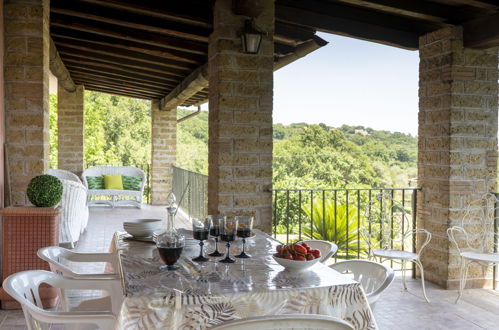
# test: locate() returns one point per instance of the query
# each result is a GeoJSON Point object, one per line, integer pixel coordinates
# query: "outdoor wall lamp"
{"type": "Point", "coordinates": [251, 38]}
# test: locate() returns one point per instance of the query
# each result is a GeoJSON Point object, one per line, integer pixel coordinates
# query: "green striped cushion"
{"type": "Point", "coordinates": [95, 182]}
{"type": "Point", "coordinates": [131, 182]}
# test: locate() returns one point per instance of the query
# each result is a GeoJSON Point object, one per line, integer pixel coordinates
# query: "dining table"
{"type": "Point", "coordinates": [200, 295]}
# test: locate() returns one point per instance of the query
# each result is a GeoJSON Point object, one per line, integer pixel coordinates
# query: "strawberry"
{"type": "Point", "coordinates": [288, 256]}
{"type": "Point", "coordinates": [279, 248]}
{"type": "Point", "coordinates": [299, 258]}
{"type": "Point", "coordinates": [300, 249]}
{"type": "Point", "coordinates": [308, 248]}
{"type": "Point", "coordinates": [305, 245]}
{"type": "Point", "coordinates": [316, 253]}
{"type": "Point", "coordinates": [310, 256]}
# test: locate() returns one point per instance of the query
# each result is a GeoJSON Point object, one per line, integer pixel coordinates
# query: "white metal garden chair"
{"type": "Point", "coordinates": [389, 235]}
{"type": "Point", "coordinates": [288, 321]}
{"type": "Point", "coordinates": [373, 276]}
{"type": "Point", "coordinates": [24, 287]}
{"type": "Point", "coordinates": [59, 257]}
{"type": "Point", "coordinates": [327, 249]}
{"type": "Point", "coordinates": [478, 243]}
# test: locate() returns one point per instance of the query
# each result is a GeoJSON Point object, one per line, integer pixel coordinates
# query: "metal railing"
{"type": "Point", "coordinates": [144, 167]}
{"type": "Point", "coordinates": [339, 216]}
{"type": "Point", "coordinates": [195, 185]}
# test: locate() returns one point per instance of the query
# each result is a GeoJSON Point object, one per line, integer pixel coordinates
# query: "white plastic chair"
{"type": "Point", "coordinates": [389, 232]}
{"type": "Point", "coordinates": [56, 255]}
{"type": "Point", "coordinates": [287, 321]}
{"type": "Point", "coordinates": [476, 246]}
{"type": "Point", "coordinates": [24, 287]}
{"type": "Point", "coordinates": [373, 276]}
{"type": "Point", "coordinates": [327, 249]}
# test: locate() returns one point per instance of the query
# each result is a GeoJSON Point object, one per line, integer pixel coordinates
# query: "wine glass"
{"type": "Point", "coordinates": [170, 246]}
{"type": "Point", "coordinates": [216, 222]}
{"type": "Point", "coordinates": [228, 234]}
{"type": "Point", "coordinates": [200, 230]}
{"type": "Point", "coordinates": [244, 228]}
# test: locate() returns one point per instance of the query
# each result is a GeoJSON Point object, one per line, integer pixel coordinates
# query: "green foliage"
{"type": "Point", "coordinates": [192, 141]}
{"type": "Point", "coordinates": [44, 190]}
{"type": "Point", "coordinates": [53, 130]}
{"type": "Point", "coordinates": [337, 225]}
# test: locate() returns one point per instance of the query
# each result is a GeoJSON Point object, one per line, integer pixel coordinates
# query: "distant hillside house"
{"type": "Point", "coordinates": [361, 132]}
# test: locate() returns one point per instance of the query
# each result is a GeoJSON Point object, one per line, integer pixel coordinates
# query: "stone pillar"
{"type": "Point", "coordinates": [26, 92]}
{"type": "Point", "coordinates": [457, 161]}
{"type": "Point", "coordinates": [240, 117]}
{"type": "Point", "coordinates": [164, 148]}
{"type": "Point", "coordinates": [70, 127]}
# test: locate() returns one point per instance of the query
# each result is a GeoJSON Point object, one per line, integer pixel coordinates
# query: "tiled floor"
{"type": "Point", "coordinates": [396, 309]}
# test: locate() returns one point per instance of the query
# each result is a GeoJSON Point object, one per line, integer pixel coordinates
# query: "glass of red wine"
{"type": "Point", "coordinates": [170, 250]}
{"type": "Point", "coordinates": [244, 230]}
{"type": "Point", "coordinates": [216, 222]}
{"type": "Point", "coordinates": [200, 231]}
{"type": "Point", "coordinates": [228, 234]}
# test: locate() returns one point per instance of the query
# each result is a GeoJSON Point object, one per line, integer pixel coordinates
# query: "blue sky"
{"type": "Point", "coordinates": [351, 82]}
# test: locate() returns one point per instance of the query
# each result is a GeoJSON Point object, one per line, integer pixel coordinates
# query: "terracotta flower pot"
{"type": "Point", "coordinates": [25, 229]}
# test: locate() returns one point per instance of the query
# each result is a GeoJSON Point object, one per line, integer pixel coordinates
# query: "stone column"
{"type": "Point", "coordinates": [26, 92]}
{"type": "Point", "coordinates": [164, 148]}
{"type": "Point", "coordinates": [70, 127]}
{"type": "Point", "coordinates": [240, 117]}
{"type": "Point", "coordinates": [457, 161]}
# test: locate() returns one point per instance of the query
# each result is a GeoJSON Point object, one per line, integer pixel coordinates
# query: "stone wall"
{"type": "Point", "coordinates": [240, 118]}
{"type": "Point", "coordinates": [70, 126]}
{"type": "Point", "coordinates": [457, 161]}
{"type": "Point", "coordinates": [26, 77]}
{"type": "Point", "coordinates": [164, 148]}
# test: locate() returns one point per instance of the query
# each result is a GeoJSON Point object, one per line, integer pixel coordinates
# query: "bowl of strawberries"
{"type": "Point", "coordinates": [297, 256]}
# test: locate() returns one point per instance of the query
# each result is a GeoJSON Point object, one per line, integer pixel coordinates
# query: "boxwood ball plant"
{"type": "Point", "coordinates": [44, 190]}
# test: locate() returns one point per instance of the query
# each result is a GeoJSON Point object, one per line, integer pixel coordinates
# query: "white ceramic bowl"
{"type": "Point", "coordinates": [142, 227]}
{"type": "Point", "coordinates": [295, 265]}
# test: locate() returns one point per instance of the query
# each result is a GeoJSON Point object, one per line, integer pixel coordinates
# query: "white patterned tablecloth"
{"type": "Point", "coordinates": [201, 295]}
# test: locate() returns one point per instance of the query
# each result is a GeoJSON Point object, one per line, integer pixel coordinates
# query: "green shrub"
{"type": "Point", "coordinates": [44, 190]}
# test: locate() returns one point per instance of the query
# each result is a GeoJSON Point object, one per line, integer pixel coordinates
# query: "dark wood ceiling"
{"type": "Point", "coordinates": [144, 49]}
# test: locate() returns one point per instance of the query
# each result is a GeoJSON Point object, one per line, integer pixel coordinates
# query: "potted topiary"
{"type": "Point", "coordinates": [29, 228]}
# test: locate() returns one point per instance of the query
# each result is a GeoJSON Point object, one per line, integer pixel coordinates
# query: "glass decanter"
{"type": "Point", "coordinates": [169, 242]}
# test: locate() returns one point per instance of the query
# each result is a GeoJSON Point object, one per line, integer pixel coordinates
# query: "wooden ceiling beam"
{"type": "Point", "coordinates": [482, 33]}
{"type": "Point", "coordinates": [117, 86]}
{"type": "Point", "coordinates": [104, 14]}
{"type": "Point", "coordinates": [425, 10]}
{"type": "Point", "coordinates": [337, 24]}
{"type": "Point", "coordinates": [198, 13]}
{"type": "Point", "coordinates": [484, 4]}
{"type": "Point", "coordinates": [174, 67]}
{"type": "Point", "coordinates": [118, 74]}
{"type": "Point", "coordinates": [110, 30]}
{"type": "Point", "coordinates": [291, 34]}
{"type": "Point", "coordinates": [102, 66]}
{"type": "Point", "coordinates": [192, 84]}
{"type": "Point", "coordinates": [59, 70]}
{"type": "Point", "coordinates": [109, 56]}
{"type": "Point", "coordinates": [138, 47]}
{"type": "Point", "coordinates": [120, 82]}
{"type": "Point", "coordinates": [100, 89]}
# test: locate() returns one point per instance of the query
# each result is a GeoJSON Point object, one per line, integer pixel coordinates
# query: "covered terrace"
{"type": "Point", "coordinates": [189, 52]}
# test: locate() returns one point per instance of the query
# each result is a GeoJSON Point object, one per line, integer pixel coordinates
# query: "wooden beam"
{"type": "Point", "coordinates": [99, 66]}
{"type": "Point", "coordinates": [300, 51]}
{"type": "Point", "coordinates": [481, 33]}
{"type": "Point", "coordinates": [118, 87]}
{"type": "Point", "coordinates": [485, 4]}
{"type": "Point", "coordinates": [96, 88]}
{"type": "Point", "coordinates": [122, 82]}
{"type": "Point", "coordinates": [132, 20]}
{"type": "Point", "coordinates": [118, 74]}
{"type": "Point", "coordinates": [291, 34]}
{"type": "Point", "coordinates": [172, 66]}
{"type": "Point", "coordinates": [425, 10]}
{"type": "Point", "coordinates": [59, 70]}
{"type": "Point", "coordinates": [138, 47]}
{"type": "Point", "coordinates": [110, 30]}
{"type": "Point", "coordinates": [198, 13]}
{"type": "Point", "coordinates": [192, 84]}
{"type": "Point", "coordinates": [108, 56]}
{"type": "Point", "coordinates": [353, 22]}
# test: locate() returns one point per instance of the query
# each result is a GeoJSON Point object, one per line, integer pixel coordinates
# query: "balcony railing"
{"type": "Point", "coordinates": [340, 215]}
{"type": "Point", "coordinates": [195, 187]}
